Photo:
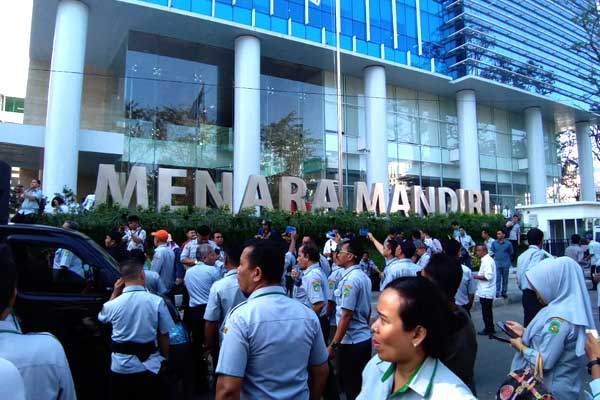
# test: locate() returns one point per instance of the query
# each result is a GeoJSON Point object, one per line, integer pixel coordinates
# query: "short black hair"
{"type": "Point", "coordinates": [131, 268]}
{"type": "Point", "coordinates": [39, 181]}
{"type": "Point", "coordinates": [115, 235]}
{"type": "Point", "coordinates": [392, 244]}
{"type": "Point", "coordinates": [485, 230]}
{"type": "Point", "coordinates": [233, 252]}
{"type": "Point", "coordinates": [354, 247]}
{"type": "Point", "coordinates": [424, 306]}
{"type": "Point", "coordinates": [461, 227]}
{"type": "Point", "coordinates": [8, 277]}
{"type": "Point", "coordinates": [575, 239]}
{"type": "Point", "coordinates": [408, 248]}
{"type": "Point", "coordinates": [451, 248]}
{"type": "Point", "coordinates": [137, 255]}
{"type": "Point", "coordinates": [72, 225]}
{"type": "Point", "coordinates": [454, 223]}
{"type": "Point", "coordinates": [446, 272]}
{"type": "Point", "coordinates": [269, 255]}
{"type": "Point", "coordinates": [133, 218]}
{"type": "Point", "coordinates": [58, 199]}
{"type": "Point", "coordinates": [311, 252]}
{"type": "Point", "coordinates": [535, 237]}
{"type": "Point", "coordinates": [416, 234]}
{"type": "Point", "coordinates": [189, 228]}
{"type": "Point", "coordinates": [203, 230]}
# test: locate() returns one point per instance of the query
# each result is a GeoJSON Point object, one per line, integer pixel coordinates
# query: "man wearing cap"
{"type": "Point", "coordinates": [266, 231]}
{"type": "Point", "coordinates": [163, 261]}
{"type": "Point", "coordinates": [404, 266]}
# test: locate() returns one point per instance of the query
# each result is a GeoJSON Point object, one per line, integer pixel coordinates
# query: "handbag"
{"type": "Point", "coordinates": [525, 384]}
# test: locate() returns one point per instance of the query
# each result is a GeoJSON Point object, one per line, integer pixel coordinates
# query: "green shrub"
{"type": "Point", "coordinates": [104, 218]}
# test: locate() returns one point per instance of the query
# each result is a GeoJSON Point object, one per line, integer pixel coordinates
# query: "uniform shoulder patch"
{"type": "Point", "coordinates": [554, 326]}
{"type": "Point", "coordinates": [316, 285]}
{"type": "Point", "coordinates": [347, 289]}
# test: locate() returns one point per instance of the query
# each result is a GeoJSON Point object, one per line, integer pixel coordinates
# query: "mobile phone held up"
{"type": "Point", "coordinates": [363, 231]}
{"type": "Point", "coordinates": [290, 229]}
{"type": "Point", "coordinates": [504, 328]}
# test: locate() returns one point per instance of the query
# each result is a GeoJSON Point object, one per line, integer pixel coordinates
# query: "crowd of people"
{"type": "Point", "coordinates": [281, 317]}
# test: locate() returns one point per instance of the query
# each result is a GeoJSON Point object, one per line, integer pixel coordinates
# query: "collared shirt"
{"type": "Point", "coordinates": [488, 244]}
{"type": "Point", "coordinates": [432, 381]}
{"type": "Point", "coordinates": [270, 341]}
{"type": "Point", "coordinates": [163, 263]}
{"type": "Point", "coordinates": [65, 258]}
{"type": "Point", "coordinates": [136, 316]}
{"type": "Point", "coordinates": [314, 288]}
{"type": "Point", "coordinates": [506, 213]}
{"type": "Point", "coordinates": [353, 293]}
{"type": "Point", "coordinates": [386, 270]}
{"type": "Point", "coordinates": [402, 267]}
{"type": "Point", "coordinates": [595, 389]}
{"type": "Point", "coordinates": [330, 246]}
{"type": "Point", "coordinates": [31, 206]}
{"type": "Point", "coordinates": [594, 249]}
{"type": "Point", "coordinates": [575, 251]}
{"type": "Point", "coordinates": [224, 295]}
{"type": "Point", "coordinates": [487, 289]}
{"type": "Point", "coordinates": [468, 286]}
{"type": "Point", "coordinates": [367, 267]}
{"type": "Point", "coordinates": [131, 245]}
{"type": "Point", "coordinates": [40, 359]}
{"type": "Point", "coordinates": [502, 253]}
{"type": "Point", "coordinates": [11, 382]}
{"type": "Point", "coordinates": [423, 260]}
{"type": "Point", "coordinates": [514, 232]}
{"type": "Point", "coordinates": [198, 281]}
{"type": "Point", "coordinates": [190, 250]}
{"type": "Point", "coordinates": [333, 280]}
{"type": "Point", "coordinates": [324, 264]}
{"type": "Point", "coordinates": [154, 284]}
{"type": "Point", "coordinates": [466, 241]}
{"type": "Point", "coordinates": [530, 257]}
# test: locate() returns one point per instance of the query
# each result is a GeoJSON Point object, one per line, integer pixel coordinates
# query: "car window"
{"type": "Point", "coordinates": [49, 268]}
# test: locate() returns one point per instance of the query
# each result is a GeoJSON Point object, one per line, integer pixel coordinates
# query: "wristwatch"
{"type": "Point", "coordinates": [336, 345]}
{"type": "Point", "coordinates": [591, 364]}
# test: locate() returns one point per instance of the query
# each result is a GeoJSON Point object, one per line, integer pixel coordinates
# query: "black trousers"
{"type": "Point", "coordinates": [194, 320]}
{"type": "Point", "coordinates": [487, 314]}
{"type": "Point", "coordinates": [467, 308]}
{"type": "Point", "coordinates": [350, 360]}
{"type": "Point", "coordinates": [142, 386]}
{"type": "Point", "coordinates": [531, 306]}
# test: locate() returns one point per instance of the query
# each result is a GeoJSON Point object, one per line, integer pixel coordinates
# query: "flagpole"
{"type": "Point", "coordinates": [339, 103]}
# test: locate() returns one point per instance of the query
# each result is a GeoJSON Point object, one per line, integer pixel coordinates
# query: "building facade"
{"type": "Point", "coordinates": [434, 93]}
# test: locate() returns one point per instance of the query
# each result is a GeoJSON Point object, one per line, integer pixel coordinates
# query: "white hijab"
{"type": "Point", "coordinates": [560, 283]}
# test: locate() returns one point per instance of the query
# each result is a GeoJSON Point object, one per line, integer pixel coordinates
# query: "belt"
{"type": "Point", "coordinates": [143, 351]}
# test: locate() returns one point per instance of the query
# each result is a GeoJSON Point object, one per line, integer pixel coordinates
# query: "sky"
{"type": "Point", "coordinates": [15, 20]}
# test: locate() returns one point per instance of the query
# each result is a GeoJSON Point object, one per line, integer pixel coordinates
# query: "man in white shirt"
{"type": "Point", "coordinates": [135, 236]}
{"type": "Point", "coordinates": [486, 288]}
{"type": "Point", "coordinates": [330, 244]}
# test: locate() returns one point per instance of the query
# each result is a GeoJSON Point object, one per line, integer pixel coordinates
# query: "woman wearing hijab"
{"type": "Point", "coordinates": [557, 333]}
{"type": "Point", "coordinates": [408, 337]}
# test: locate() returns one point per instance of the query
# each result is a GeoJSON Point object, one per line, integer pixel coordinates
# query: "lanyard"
{"type": "Point", "coordinates": [269, 294]}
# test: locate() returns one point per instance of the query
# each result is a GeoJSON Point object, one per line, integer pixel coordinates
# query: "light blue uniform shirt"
{"type": "Point", "coordinates": [41, 361]}
{"type": "Point", "coordinates": [432, 381]}
{"type": "Point", "coordinates": [468, 286]}
{"type": "Point", "coordinates": [11, 381]}
{"type": "Point", "coordinates": [353, 293]}
{"type": "Point", "coordinates": [136, 316]}
{"type": "Point", "coordinates": [386, 270]}
{"type": "Point", "coordinates": [66, 258]}
{"type": "Point", "coordinates": [163, 263]}
{"type": "Point", "coordinates": [269, 341]}
{"type": "Point", "coordinates": [502, 253]}
{"type": "Point", "coordinates": [224, 295]}
{"type": "Point", "coordinates": [31, 206]}
{"type": "Point", "coordinates": [324, 264]}
{"type": "Point", "coordinates": [154, 284]}
{"type": "Point", "coordinates": [402, 267]}
{"type": "Point", "coordinates": [530, 257]}
{"type": "Point", "coordinates": [198, 281]}
{"type": "Point", "coordinates": [314, 288]}
{"type": "Point", "coordinates": [556, 343]}
{"type": "Point", "coordinates": [333, 280]}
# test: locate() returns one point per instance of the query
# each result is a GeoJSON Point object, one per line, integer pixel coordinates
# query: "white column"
{"type": "Point", "coordinates": [468, 142]}
{"type": "Point", "coordinates": [61, 143]}
{"type": "Point", "coordinates": [586, 162]}
{"type": "Point", "coordinates": [536, 161]}
{"type": "Point", "coordinates": [375, 111]}
{"type": "Point", "coordinates": [246, 121]}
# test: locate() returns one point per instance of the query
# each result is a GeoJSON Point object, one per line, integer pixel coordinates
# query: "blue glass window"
{"type": "Point", "coordinates": [182, 4]}
{"type": "Point", "coordinates": [202, 7]}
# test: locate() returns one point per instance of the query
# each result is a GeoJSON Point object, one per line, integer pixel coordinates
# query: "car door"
{"type": "Point", "coordinates": [61, 289]}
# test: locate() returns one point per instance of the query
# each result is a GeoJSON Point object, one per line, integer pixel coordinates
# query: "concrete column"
{"type": "Point", "coordinates": [375, 110]}
{"type": "Point", "coordinates": [468, 142]}
{"type": "Point", "coordinates": [586, 162]}
{"type": "Point", "coordinates": [246, 120]}
{"type": "Point", "coordinates": [61, 141]}
{"type": "Point", "coordinates": [536, 161]}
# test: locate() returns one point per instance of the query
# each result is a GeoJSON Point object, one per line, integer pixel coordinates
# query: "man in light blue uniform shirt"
{"type": "Point", "coordinates": [138, 318]}
{"type": "Point", "coordinates": [404, 266]}
{"type": "Point", "coordinates": [190, 250]}
{"type": "Point", "coordinates": [388, 251]}
{"type": "Point", "coordinates": [39, 357]}
{"type": "Point", "coordinates": [224, 295]}
{"type": "Point", "coordinates": [65, 261]}
{"type": "Point", "coordinates": [30, 203]}
{"type": "Point", "coordinates": [312, 287]}
{"type": "Point", "coordinates": [163, 261]}
{"type": "Point", "coordinates": [272, 345]}
{"type": "Point", "coordinates": [198, 280]}
{"type": "Point", "coordinates": [323, 261]}
{"type": "Point", "coordinates": [351, 344]}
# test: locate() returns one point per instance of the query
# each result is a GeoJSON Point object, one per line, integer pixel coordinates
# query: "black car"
{"type": "Point", "coordinates": [67, 304]}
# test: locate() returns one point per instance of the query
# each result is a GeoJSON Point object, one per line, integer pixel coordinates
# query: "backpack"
{"type": "Point", "coordinates": [525, 384]}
